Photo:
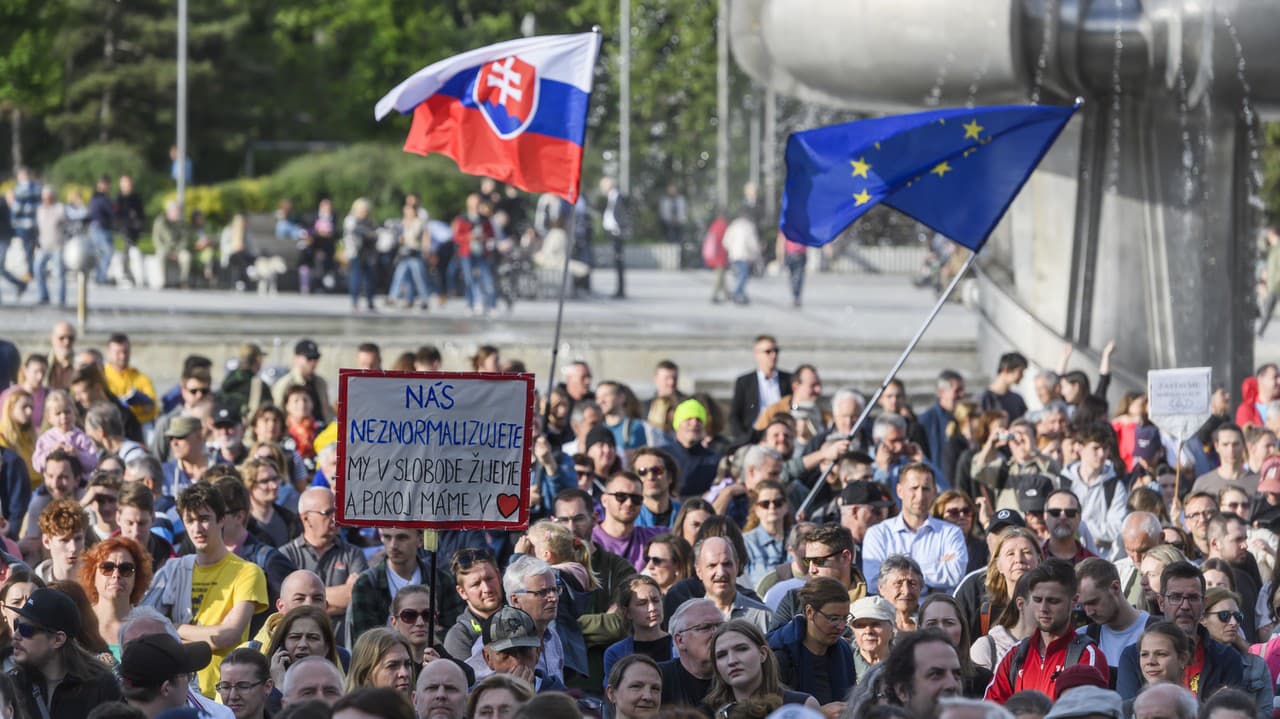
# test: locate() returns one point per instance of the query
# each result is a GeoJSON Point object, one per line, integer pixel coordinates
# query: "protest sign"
{"type": "Point", "coordinates": [1178, 399]}
{"type": "Point", "coordinates": [434, 450]}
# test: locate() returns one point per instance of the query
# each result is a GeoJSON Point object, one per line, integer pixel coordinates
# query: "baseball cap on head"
{"type": "Point", "coordinates": [153, 659]}
{"type": "Point", "coordinates": [308, 349]}
{"type": "Point", "coordinates": [182, 426]}
{"type": "Point", "coordinates": [1270, 482]}
{"type": "Point", "coordinates": [1005, 518]}
{"type": "Point", "coordinates": [52, 610]}
{"type": "Point", "coordinates": [1146, 442]}
{"type": "Point", "coordinates": [511, 628]}
{"type": "Point", "coordinates": [226, 416]}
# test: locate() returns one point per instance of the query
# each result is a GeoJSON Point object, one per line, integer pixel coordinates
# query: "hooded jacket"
{"type": "Point", "coordinates": [1247, 412]}
{"type": "Point", "coordinates": [795, 666]}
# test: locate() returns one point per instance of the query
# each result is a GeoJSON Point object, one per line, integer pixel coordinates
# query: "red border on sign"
{"type": "Point", "coordinates": [340, 485]}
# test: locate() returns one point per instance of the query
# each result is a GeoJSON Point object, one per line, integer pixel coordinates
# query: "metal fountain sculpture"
{"type": "Point", "coordinates": [1142, 223]}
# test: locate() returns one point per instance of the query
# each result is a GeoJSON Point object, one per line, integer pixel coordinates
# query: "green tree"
{"type": "Point", "coordinates": [30, 78]}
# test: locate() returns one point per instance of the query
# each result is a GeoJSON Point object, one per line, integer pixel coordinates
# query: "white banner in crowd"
{"type": "Point", "coordinates": [1178, 399]}
{"type": "Point", "coordinates": [434, 450]}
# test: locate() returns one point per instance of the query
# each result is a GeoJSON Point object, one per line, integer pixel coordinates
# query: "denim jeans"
{"type": "Point", "coordinates": [479, 276]}
{"type": "Point", "coordinates": [414, 270]}
{"type": "Point", "coordinates": [104, 247]}
{"type": "Point", "coordinates": [741, 273]}
{"type": "Point", "coordinates": [795, 266]}
{"type": "Point", "coordinates": [362, 277]}
{"type": "Point", "coordinates": [51, 260]}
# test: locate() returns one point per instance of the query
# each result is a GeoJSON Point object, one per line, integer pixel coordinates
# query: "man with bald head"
{"type": "Point", "coordinates": [717, 565]}
{"type": "Point", "coordinates": [62, 355]}
{"type": "Point", "coordinates": [312, 677]}
{"type": "Point", "coordinates": [1141, 533]}
{"type": "Point", "coordinates": [302, 588]}
{"type": "Point", "coordinates": [322, 550]}
{"type": "Point", "coordinates": [441, 691]}
{"type": "Point", "coordinates": [1165, 701]}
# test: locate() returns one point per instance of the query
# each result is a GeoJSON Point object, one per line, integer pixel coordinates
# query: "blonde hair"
{"type": "Point", "coordinates": [997, 587]}
{"type": "Point", "coordinates": [13, 435]}
{"type": "Point", "coordinates": [964, 409]}
{"type": "Point", "coordinates": [52, 399]}
{"type": "Point", "coordinates": [564, 546]}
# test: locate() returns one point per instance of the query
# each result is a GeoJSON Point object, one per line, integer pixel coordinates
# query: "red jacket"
{"type": "Point", "coordinates": [1247, 412]}
{"type": "Point", "coordinates": [1040, 674]}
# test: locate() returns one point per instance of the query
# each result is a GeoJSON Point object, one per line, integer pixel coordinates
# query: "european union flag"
{"type": "Point", "coordinates": [954, 170]}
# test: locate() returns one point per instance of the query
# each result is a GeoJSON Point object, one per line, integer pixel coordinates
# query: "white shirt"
{"type": "Point", "coordinates": [395, 583]}
{"type": "Point", "coordinates": [610, 220]}
{"type": "Point", "coordinates": [770, 390]}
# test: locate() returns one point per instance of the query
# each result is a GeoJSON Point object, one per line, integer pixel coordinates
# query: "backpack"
{"type": "Point", "coordinates": [1075, 650]}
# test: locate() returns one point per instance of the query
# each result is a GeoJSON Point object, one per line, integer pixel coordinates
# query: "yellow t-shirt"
{"type": "Point", "coordinates": [215, 589]}
{"type": "Point", "coordinates": [122, 382]}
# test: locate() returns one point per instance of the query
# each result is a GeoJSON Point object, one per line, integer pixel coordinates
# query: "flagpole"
{"type": "Point", "coordinates": [871, 403]}
{"type": "Point", "coordinates": [564, 288]}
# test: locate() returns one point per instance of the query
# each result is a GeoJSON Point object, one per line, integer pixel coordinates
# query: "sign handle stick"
{"type": "Point", "coordinates": [871, 403]}
{"type": "Point", "coordinates": [431, 543]}
{"type": "Point", "coordinates": [555, 342]}
{"type": "Point", "coordinates": [1177, 476]}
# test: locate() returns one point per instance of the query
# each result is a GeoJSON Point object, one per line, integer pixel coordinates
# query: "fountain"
{"type": "Point", "coordinates": [1141, 224]}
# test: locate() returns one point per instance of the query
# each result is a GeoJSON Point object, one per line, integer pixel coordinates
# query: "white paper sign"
{"type": "Point", "coordinates": [1178, 399]}
{"type": "Point", "coordinates": [434, 450]}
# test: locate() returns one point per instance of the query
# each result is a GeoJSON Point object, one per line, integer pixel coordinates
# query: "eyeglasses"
{"type": "Point", "coordinates": [27, 631]}
{"type": "Point", "coordinates": [769, 351]}
{"type": "Point", "coordinates": [126, 569]}
{"type": "Point", "coordinates": [411, 616]}
{"type": "Point", "coordinates": [708, 627]}
{"type": "Point", "coordinates": [958, 512]}
{"type": "Point", "coordinates": [822, 561]}
{"type": "Point", "coordinates": [655, 471]}
{"type": "Point", "coordinates": [624, 497]}
{"type": "Point", "coordinates": [1225, 616]}
{"type": "Point", "coordinates": [269, 480]}
{"type": "Point", "coordinates": [1177, 599]}
{"type": "Point", "coordinates": [569, 520]}
{"type": "Point", "coordinates": [241, 687]}
{"type": "Point", "coordinates": [1055, 513]}
{"type": "Point", "coordinates": [1206, 514]}
{"type": "Point", "coordinates": [771, 503]}
{"type": "Point", "coordinates": [326, 513]}
{"type": "Point", "coordinates": [656, 561]}
{"type": "Point", "coordinates": [465, 559]}
{"type": "Point", "coordinates": [541, 594]}
{"type": "Point", "coordinates": [201, 391]}
{"type": "Point", "coordinates": [837, 620]}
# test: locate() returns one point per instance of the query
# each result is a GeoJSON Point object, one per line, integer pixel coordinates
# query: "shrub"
{"type": "Point", "coordinates": [84, 166]}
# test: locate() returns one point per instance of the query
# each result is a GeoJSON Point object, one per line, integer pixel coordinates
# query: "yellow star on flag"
{"type": "Point", "coordinates": [862, 198]}
{"type": "Point", "coordinates": [941, 169]}
{"type": "Point", "coordinates": [860, 167]}
{"type": "Point", "coordinates": [973, 130]}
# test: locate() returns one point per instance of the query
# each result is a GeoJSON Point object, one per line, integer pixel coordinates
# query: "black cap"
{"type": "Point", "coordinates": [51, 609]}
{"type": "Point", "coordinates": [599, 434]}
{"type": "Point", "coordinates": [153, 659]}
{"type": "Point", "coordinates": [1033, 492]}
{"type": "Point", "coordinates": [1005, 518]}
{"type": "Point", "coordinates": [308, 349]}
{"type": "Point", "coordinates": [226, 416]}
{"type": "Point", "coordinates": [865, 492]}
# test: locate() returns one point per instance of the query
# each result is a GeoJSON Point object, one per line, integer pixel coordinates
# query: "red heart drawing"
{"type": "Point", "coordinates": [508, 504]}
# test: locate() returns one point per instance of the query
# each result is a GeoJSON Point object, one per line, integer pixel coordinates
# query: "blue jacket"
{"type": "Point", "coordinates": [934, 421]}
{"type": "Point", "coordinates": [620, 649]}
{"type": "Point", "coordinates": [787, 643]}
{"type": "Point", "coordinates": [1223, 667]}
{"type": "Point", "coordinates": [15, 488]}
{"type": "Point", "coordinates": [101, 212]}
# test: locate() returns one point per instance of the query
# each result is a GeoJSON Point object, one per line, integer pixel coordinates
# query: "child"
{"type": "Point", "coordinates": [299, 422]}
{"type": "Point", "coordinates": [60, 430]}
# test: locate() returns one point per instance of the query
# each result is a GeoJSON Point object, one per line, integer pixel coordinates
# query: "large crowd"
{"type": "Point", "coordinates": [173, 551]}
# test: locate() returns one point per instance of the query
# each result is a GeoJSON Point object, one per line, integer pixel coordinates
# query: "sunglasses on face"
{"type": "Point", "coordinates": [822, 561]}
{"type": "Point", "coordinates": [1055, 513]}
{"type": "Point", "coordinates": [655, 471]}
{"type": "Point", "coordinates": [411, 616]}
{"type": "Point", "coordinates": [957, 512]}
{"type": "Point", "coordinates": [624, 497]}
{"type": "Point", "coordinates": [656, 561]}
{"type": "Point", "coordinates": [1225, 616]}
{"type": "Point", "coordinates": [27, 631]}
{"type": "Point", "coordinates": [200, 391]}
{"type": "Point", "coordinates": [771, 503]}
{"type": "Point", "coordinates": [126, 569]}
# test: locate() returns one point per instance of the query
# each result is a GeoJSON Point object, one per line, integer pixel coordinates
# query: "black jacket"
{"type": "Point", "coordinates": [746, 403]}
{"type": "Point", "coordinates": [74, 696]}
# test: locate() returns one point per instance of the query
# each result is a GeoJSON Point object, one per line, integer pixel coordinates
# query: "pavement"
{"type": "Point", "coordinates": [851, 326]}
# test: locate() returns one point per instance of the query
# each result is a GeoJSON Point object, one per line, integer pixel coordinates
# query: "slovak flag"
{"type": "Point", "coordinates": [515, 111]}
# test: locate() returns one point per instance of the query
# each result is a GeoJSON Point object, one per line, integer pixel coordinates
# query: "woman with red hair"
{"type": "Point", "coordinates": [115, 573]}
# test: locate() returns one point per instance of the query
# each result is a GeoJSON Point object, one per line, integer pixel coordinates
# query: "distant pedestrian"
{"type": "Point", "coordinates": [742, 247]}
{"type": "Point", "coordinates": [51, 221]}
{"type": "Point", "coordinates": [616, 221]}
{"type": "Point", "coordinates": [26, 197]}
{"type": "Point", "coordinates": [794, 256]}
